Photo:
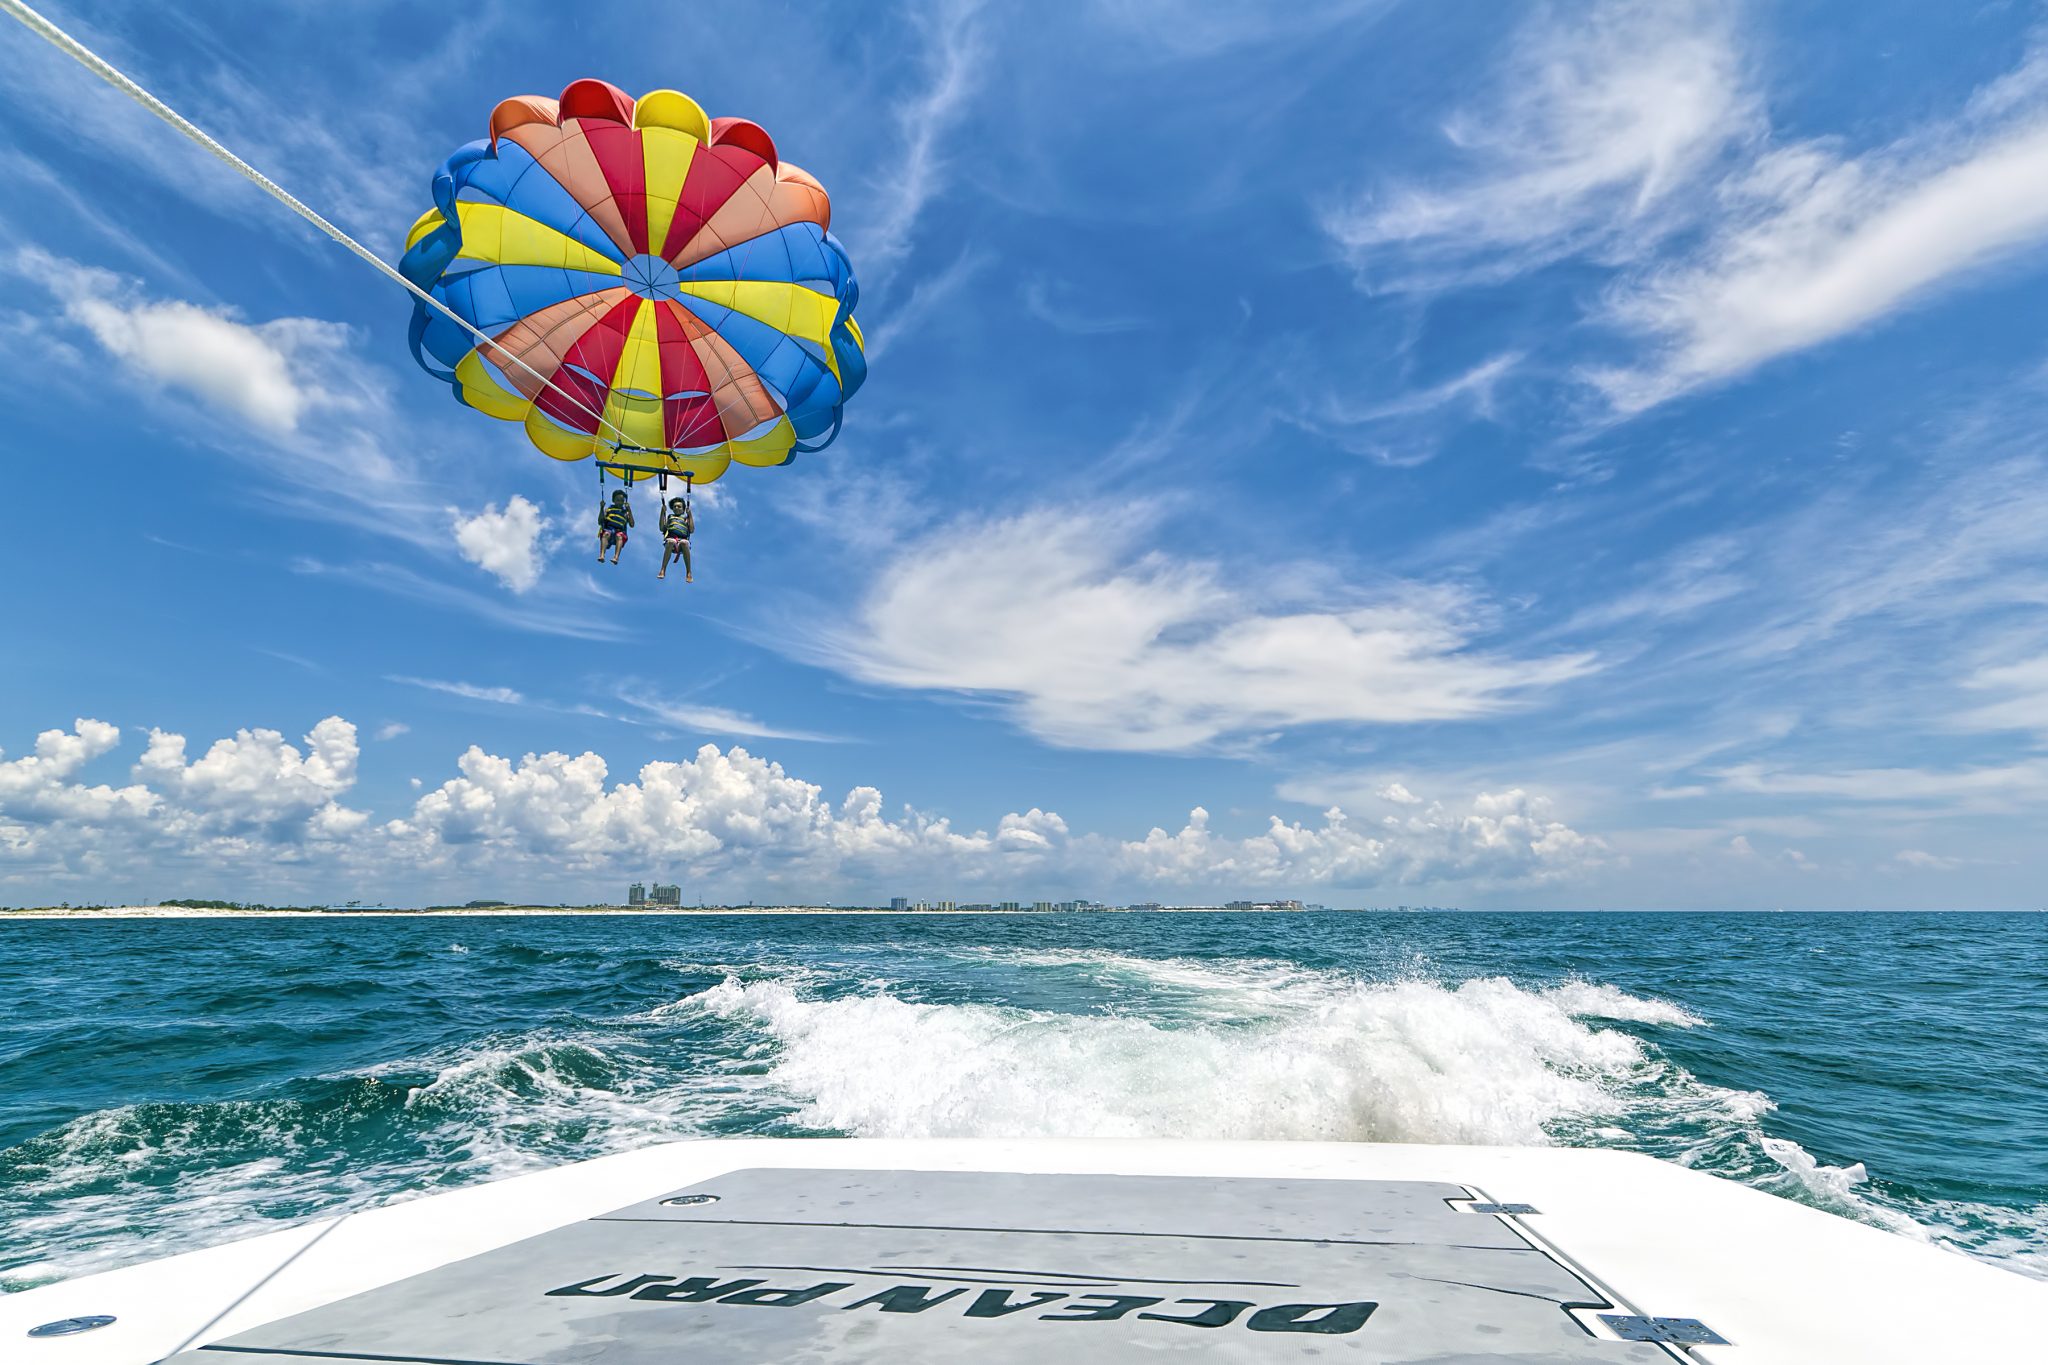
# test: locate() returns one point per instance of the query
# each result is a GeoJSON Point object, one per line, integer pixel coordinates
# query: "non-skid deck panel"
{"type": "Point", "coordinates": [1406, 1211]}
{"type": "Point", "coordinates": [922, 1268]}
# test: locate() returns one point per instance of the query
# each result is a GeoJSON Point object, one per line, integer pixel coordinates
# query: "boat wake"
{"type": "Point", "coordinates": [961, 1042]}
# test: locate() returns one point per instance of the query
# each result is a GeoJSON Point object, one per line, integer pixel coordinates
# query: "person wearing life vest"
{"type": "Point", "coordinates": [613, 521]}
{"type": "Point", "coordinates": [676, 525]}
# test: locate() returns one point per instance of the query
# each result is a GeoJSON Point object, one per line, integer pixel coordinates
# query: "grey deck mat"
{"type": "Point", "coordinates": [916, 1268]}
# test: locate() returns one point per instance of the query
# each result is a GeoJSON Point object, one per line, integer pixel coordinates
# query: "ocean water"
{"type": "Point", "coordinates": [169, 1084]}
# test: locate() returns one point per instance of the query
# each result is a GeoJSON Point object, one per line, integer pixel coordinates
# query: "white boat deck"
{"type": "Point", "coordinates": [1248, 1262]}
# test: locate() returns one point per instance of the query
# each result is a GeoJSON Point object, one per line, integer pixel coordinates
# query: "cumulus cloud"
{"type": "Point", "coordinates": [731, 808]}
{"type": "Point", "coordinates": [508, 541]}
{"type": "Point", "coordinates": [256, 781]}
{"type": "Point", "coordinates": [1088, 643]}
{"type": "Point", "coordinates": [272, 812]}
{"type": "Point", "coordinates": [38, 787]}
{"type": "Point", "coordinates": [270, 374]}
{"type": "Point", "coordinates": [1506, 836]}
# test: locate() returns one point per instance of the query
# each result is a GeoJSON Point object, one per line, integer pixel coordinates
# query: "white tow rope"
{"type": "Point", "coordinates": [112, 75]}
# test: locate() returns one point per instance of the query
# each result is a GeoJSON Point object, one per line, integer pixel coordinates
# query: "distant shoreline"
{"type": "Point", "coordinates": [503, 911]}
{"type": "Point", "coordinates": [670, 911]}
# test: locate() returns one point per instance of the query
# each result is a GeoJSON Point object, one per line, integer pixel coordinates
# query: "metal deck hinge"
{"type": "Point", "coordinates": [1674, 1331]}
{"type": "Point", "coordinates": [1502, 1208]}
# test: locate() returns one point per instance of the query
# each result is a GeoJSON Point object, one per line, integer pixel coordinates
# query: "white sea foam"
{"type": "Point", "coordinates": [1321, 1057]}
{"type": "Point", "coordinates": [1593, 1000]}
{"type": "Point", "coordinates": [2013, 1237]}
{"type": "Point", "coordinates": [99, 1175]}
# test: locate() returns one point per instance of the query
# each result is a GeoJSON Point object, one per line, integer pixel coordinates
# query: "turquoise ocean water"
{"type": "Point", "coordinates": [169, 1084]}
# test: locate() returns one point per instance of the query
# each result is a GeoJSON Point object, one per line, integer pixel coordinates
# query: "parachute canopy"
{"type": "Point", "coordinates": [661, 289]}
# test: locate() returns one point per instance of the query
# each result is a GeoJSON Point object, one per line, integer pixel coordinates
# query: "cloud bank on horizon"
{"type": "Point", "coordinates": [261, 811]}
{"type": "Point", "coordinates": [1619, 427]}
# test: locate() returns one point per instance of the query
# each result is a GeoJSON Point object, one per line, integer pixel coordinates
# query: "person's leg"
{"type": "Point", "coordinates": [664, 560]}
{"type": "Point", "coordinates": [684, 547]}
{"type": "Point", "coordinates": [602, 536]}
{"type": "Point", "coordinates": [618, 544]}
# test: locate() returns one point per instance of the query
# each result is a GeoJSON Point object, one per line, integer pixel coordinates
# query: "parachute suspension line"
{"type": "Point", "coordinates": [106, 71]}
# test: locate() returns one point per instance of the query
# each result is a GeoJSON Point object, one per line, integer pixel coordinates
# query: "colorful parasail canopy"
{"type": "Point", "coordinates": [660, 289]}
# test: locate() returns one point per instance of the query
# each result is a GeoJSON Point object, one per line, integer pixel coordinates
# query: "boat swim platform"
{"type": "Point", "coordinates": [1003, 1252]}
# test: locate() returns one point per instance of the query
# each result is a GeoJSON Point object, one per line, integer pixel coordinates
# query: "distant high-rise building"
{"type": "Point", "coordinates": [1010, 905]}
{"type": "Point", "coordinates": [899, 902]}
{"type": "Point", "coordinates": [1042, 906]}
{"type": "Point", "coordinates": [945, 905]}
{"type": "Point", "coordinates": [666, 895]}
{"type": "Point", "coordinates": [636, 894]}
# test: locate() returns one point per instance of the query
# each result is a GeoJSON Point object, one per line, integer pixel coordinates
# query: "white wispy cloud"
{"type": "Point", "coordinates": [1598, 117]}
{"type": "Point", "coordinates": [644, 706]}
{"type": "Point", "coordinates": [695, 717]}
{"type": "Point", "coordinates": [1184, 30]}
{"type": "Point", "coordinates": [566, 611]}
{"type": "Point", "coordinates": [1398, 431]}
{"type": "Point", "coordinates": [1810, 243]}
{"type": "Point", "coordinates": [1987, 786]}
{"type": "Point", "coordinates": [1695, 575]}
{"type": "Point", "coordinates": [502, 696]}
{"type": "Point", "coordinates": [924, 116]}
{"type": "Point", "coordinates": [1921, 859]}
{"type": "Point", "coordinates": [926, 296]}
{"type": "Point", "coordinates": [1086, 641]}
{"type": "Point", "coordinates": [2024, 705]}
{"type": "Point", "coordinates": [1053, 303]}
{"type": "Point", "coordinates": [366, 173]}
{"type": "Point", "coordinates": [1634, 136]}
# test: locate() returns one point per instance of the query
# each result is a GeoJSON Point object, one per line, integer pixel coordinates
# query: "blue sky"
{"type": "Point", "coordinates": [1587, 460]}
